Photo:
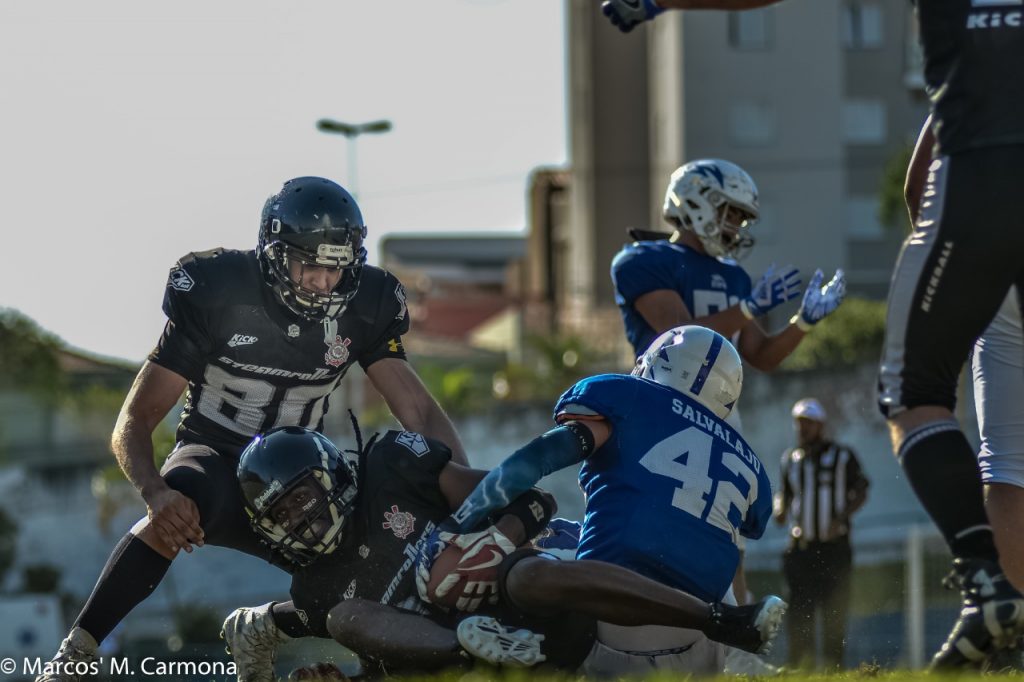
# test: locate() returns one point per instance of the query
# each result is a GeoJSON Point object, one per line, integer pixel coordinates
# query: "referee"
{"type": "Point", "coordinates": [822, 486]}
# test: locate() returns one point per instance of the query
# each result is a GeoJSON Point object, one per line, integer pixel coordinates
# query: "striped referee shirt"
{"type": "Point", "coordinates": [817, 486]}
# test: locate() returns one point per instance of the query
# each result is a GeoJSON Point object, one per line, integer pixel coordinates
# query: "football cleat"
{"type": "Point", "coordinates": [992, 617]}
{"type": "Point", "coordinates": [487, 639]}
{"type": "Point", "coordinates": [73, 659]}
{"type": "Point", "coordinates": [751, 628]}
{"type": "Point", "coordinates": [1005, 661]}
{"type": "Point", "coordinates": [252, 638]}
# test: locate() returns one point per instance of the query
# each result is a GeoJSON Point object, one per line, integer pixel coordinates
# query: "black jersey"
{"type": "Point", "coordinates": [974, 71]}
{"type": "Point", "coordinates": [250, 364]}
{"type": "Point", "coordinates": [399, 504]}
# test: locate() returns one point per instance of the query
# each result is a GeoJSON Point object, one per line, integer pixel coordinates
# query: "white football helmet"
{"type": "Point", "coordinates": [698, 362]}
{"type": "Point", "coordinates": [699, 197]}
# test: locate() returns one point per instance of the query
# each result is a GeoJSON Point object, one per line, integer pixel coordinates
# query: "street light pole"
{"type": "Point", "coordinates": [351, 131]}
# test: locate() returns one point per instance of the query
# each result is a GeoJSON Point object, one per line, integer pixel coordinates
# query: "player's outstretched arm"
{"type": "Point", "coordinates": [628, 14]}
{"type": "Point", "coordinates": [563, 446]}
{"type": "Point", "coordinates": [173, 517]}
{"type": "Point", "coordinates": [729, 5]}
{"type": "Point", "coordinates": [413, 406]}
{"type": "Point", "coordinates": [765, 352]}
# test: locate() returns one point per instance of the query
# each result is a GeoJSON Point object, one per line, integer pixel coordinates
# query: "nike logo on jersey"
{"type": "Point", "coordinates": [242, 340]}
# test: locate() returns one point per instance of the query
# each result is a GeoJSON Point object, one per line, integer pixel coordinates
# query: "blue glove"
{"type": "Point", "coordinates": [774, 288]}
{"type": "Point", "coordinates": [820, 301]}
{"type": "Point", "coordinates": [560, 534]}
{"type": "Point", "coordinates": [627, 14]}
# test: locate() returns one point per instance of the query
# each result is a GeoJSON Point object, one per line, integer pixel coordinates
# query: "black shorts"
{"type": "Point", "coordinates": [954, 271]}
{"type": "Point", "coordinates": [209, 479]}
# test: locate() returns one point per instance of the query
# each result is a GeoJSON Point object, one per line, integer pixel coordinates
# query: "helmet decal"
{"type": "Point", "coordinates": [697, 362]}
{"type": "Point", "coordinates": [299, 491]}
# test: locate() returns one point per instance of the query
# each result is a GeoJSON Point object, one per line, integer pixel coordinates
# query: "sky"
{"type": "Point", "coordinates": [132, 133]}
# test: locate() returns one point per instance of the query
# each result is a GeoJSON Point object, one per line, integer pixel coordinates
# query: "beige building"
{"type": "Point", "coordinates": [812, 97]}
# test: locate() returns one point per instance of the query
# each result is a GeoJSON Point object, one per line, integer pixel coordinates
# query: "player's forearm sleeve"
{"type": "Point", "coordinates": [560, 447]}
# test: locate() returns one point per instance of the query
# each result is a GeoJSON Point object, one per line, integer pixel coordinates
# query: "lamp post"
{"type": "Point", "coordinates": [351, 131]}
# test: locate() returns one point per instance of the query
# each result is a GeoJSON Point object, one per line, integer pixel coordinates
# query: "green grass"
{"type": "Point", "coordinates": [865, 672]}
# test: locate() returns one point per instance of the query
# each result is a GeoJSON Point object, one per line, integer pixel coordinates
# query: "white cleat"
{"type": "Point", "coordinates": [751, 628]}
{"type": "Point", "coordinates": [75, 660]}
{"type": "Point", "coordinates": [252, 638]}
{"type": "Point", "coordinates": [487, 639]}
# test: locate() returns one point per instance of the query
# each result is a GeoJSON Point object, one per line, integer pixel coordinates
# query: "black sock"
{"type": "Point", "coordinates": [943, 471]}
{"type": "Point", "coordinates": [288, 620]}
{"type": "Point", "coordinates": [133, 571]}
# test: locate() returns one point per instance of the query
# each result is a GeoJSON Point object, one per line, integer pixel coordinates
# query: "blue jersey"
{"type": "Point", "coordinates": [671, 490]}
{"type": "Point", "coordinates": [707, 285]}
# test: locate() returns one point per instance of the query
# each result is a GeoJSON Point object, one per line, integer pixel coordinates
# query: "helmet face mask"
{"type": "Point", "coordinates": [312, 223]}
{"type": "Point", "coordinates": [716, 201]}
{"type": "Point", "coordinates": [697, 362]}
{"type": "Point", "coordinates": [299, 492]}
{"type": "Point", "coordinates": [290, 266]}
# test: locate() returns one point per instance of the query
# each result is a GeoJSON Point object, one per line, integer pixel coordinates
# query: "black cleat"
{"type": "Point", "coordinates": [752, 628]}
{"type": "Point", "coordinates": [992, 617]}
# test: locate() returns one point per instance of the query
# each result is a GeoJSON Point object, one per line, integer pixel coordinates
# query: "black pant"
{"type": "Point", "coordinates": [209, 480]}
{"type": "Point", "coordinates": [953, 273]}
{"type": "Point", "coordinates": [818, 576]}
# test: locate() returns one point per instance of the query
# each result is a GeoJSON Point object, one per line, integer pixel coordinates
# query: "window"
{"type": "Point", "coordinates": [862, 25]}
{"type": "Point", "coordinates": [750, 30]}
{"type": "Point", "coordinates": [752, 124]}
{"type": "Point", "coordinates": [860, 217]}
{"type": "Point", "coordinates": [863, 121]}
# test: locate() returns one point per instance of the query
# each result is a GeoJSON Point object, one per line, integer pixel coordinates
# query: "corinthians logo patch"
{"type": "Point", "coordinates": [399, 522]}
{"type": "Point", "coordinates": [337, 351]}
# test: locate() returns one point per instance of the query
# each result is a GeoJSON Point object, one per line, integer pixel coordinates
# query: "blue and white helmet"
{"type": "Point", "coordinates": [699, 196]}
{"type": "Point", "coordinates": [698, 362]}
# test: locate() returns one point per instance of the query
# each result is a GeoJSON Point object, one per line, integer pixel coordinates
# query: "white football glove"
{"type": "Point", "coordinates": [775, 287]}
{"type": "Point", "coordinates": [483, 553]}
{"type": "Point", "coordinates": [820, 301]}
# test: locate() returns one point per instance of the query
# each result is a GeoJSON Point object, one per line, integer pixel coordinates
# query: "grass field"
{"type": "Point", "coordinates": [865, 673]}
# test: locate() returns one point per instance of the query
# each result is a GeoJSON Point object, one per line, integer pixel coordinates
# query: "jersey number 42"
{"type": "Point", "coordinates": [695, 473]}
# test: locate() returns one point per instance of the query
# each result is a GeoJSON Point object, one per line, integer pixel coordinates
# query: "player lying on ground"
{"type": "Point", "coordinates": [354, 535]}
{"type": "Point", "coordinates": [670, 486]}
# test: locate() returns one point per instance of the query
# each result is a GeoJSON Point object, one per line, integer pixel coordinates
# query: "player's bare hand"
{"type": "Point", "coordinates": [321, 672]}
{"type": "Point", "coordinates": [175, 518]}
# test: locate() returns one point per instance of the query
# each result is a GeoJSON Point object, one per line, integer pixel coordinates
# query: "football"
{"type": "Point", "coordinates": [443, 565]}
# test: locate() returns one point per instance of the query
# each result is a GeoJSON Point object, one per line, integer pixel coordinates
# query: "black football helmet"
{"type": "Point", "coordinates": [277, 463]}
{"type": "Point", "coordinates": [313, 222]}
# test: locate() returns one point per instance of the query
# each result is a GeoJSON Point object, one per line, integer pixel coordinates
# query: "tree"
{"type": "Point", "coordinates": [28, 356]}
{"type": "Point", "coordinates": [852, 335]}
{"type": "Point", "coordinates": [8, 542]}
{"type": "Point", "coordinates": [892, 206]}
